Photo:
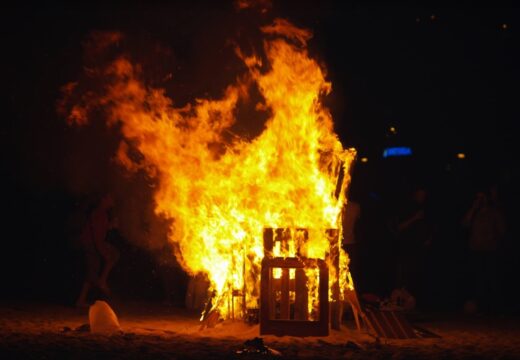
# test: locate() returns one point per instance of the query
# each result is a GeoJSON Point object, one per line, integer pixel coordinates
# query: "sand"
{"type": "Point", "coordinates": [153, 331]}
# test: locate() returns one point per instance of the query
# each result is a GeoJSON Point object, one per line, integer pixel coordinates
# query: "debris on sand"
{"type": "Point", "coordinates": [256, 346]}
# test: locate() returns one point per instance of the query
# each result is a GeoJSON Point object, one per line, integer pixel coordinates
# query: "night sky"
{"type": "Point", "coordinates": [446, 78]}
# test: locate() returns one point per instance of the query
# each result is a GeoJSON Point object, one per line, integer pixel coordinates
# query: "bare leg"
{"type": "Point", "coordinates": [82, 299]}
{"type": "Point", "coordinates": [103, 285]}
{"type": "Point", "coordinates": [92, 262]}
{"type": "Point", "coordinates": [110, 256]}
{"type": "Point", "coordinates": [167, 279]}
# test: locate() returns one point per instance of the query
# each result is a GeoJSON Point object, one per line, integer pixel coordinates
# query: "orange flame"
{"type": "Point", "coordinates": [220, 194]}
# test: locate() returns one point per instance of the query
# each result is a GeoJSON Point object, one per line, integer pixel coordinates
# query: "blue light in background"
{"type": "Point", "coordinates": [397, 151]}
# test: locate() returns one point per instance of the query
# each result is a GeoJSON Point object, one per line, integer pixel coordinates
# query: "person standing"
{"type": "Point", "coordinates": [351, 215]}
{"type": "Point", "coordinates": [414, 234]}
{"type": "Point", "coordinates": [100, 255]}
{"type": "Point", "coordinates": [486, 225]}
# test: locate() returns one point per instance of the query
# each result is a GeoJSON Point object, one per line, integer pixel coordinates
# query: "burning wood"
{"type": "Point", "coordinates": [210, 320]}
{"type": "Point", "coordinates": [291, 289]}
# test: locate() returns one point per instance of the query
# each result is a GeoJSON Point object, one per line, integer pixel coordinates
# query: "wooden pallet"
{"type": "Point", "coordinates": [278, 314]}
{"type": "Point", "coordinates": [389, 324]}
{"type": "Point", "coordinates": [281, 323]}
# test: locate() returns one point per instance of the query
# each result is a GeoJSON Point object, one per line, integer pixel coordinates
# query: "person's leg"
{"type": "Point", "coordinates": [110, 257]}
{"type": "Point", "coordinates": [82, 298]}
{"type": "Point", "coordinates": [92, 265]}
{"type": "Point", "coordinates": [352, 251]}
{"type": "Point", "coordinates": [490, 282]}
{"type": "Point", "coordinates": [481, 282]}
{"type": "Point", "coordinates": [167, 278]}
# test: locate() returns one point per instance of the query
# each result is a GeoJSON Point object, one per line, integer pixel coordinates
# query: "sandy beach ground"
{"type": "Point", "coordinates": [154, 331]}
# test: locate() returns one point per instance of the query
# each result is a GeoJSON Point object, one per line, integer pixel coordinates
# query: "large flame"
{"type": "Point", "coordinates": [220, 194]}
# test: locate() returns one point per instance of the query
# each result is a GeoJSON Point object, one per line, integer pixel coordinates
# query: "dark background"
{"type": "Point", "coordinates": [445, 77]}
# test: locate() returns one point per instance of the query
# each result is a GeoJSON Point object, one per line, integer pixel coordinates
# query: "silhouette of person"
{"type": "Point", "coordinates": [486, 225]}
{"type": "Point", "coordinates": [100, 255]}
{"type": "Point", "coordinates": [168, 269]}
{"type": "Point", "coordinates": [351, 215]}
{"type": "Point", "coordinates": [414, 233]}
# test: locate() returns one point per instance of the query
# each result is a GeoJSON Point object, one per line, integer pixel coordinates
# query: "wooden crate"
{"type": "Point", "coordinates": [282, 322]}
{"type": "Point", "coordinates": [281, 316]}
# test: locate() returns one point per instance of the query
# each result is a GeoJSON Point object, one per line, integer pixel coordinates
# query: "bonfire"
{"type": "Point", "coordinates": [221, 191]}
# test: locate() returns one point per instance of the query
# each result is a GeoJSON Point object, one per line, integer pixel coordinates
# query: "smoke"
{"type": "Point", "coordinates": [90, 168]}
{"type": "Point", "coordinates": [262, 6]}
{"type": "Point", "coordinates": [200, 65]}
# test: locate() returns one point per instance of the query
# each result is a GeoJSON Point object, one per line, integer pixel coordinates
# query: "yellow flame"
{"type": "Point", "coordinates": [221, 194]}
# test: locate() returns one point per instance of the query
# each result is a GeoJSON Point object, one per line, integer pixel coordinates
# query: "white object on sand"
{"type": "Point", "coordinates": [102, 318]}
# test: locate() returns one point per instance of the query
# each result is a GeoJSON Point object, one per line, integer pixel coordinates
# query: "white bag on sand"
{"type": "Point", "coordinates": [102, 318]}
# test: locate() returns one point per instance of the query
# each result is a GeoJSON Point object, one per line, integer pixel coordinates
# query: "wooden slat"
{"type": "Point", "coordinates": [324, 294]}
{"type": "Point", "coordinates": [285, 306]}
{"type": "Point", "coordinates": [300, 248]}
{"type": "Point", "coordinates": [375, 324]}
{"type": "Point", "coordinates": [301, 296]}
{"type": "Point", "coordinates": [404, 325]}
{"type": "Point", "coordinates": [380, 324]}
{"type": "Point", "coordinates": [266, 307]}
{"type": "Point", "coordinates": [295, 263]}
{"type": "Point", "coordinates": [336, 308]}
{"type": "Point", "coordinates": [268, 242]}
{"type": "Point", "coordinates": [274, 287]}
